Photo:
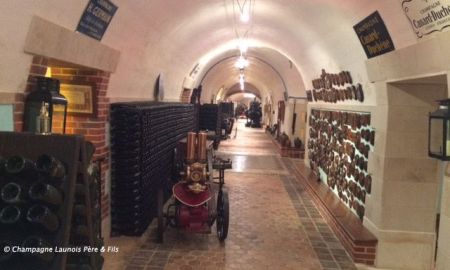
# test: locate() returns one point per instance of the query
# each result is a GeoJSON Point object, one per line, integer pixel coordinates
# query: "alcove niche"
{"type": "Point", "coordinates": [75, 59]}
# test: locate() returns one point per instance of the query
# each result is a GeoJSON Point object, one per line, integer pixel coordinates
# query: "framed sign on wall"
{"type": "Point", "coordinates": [96, 17]}
{"type": "Point", "coordinates": [81, 98]}
{"type": "Point", "coordinates": [373, 35]}
{"type": "Point", "coordinates": [427, 16]}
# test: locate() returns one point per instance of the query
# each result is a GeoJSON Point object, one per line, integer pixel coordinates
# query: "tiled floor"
{"type": "Point", "coordinates": [273, 222]}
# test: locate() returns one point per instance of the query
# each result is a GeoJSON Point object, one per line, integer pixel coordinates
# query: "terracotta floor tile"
{"type": "Point", "coordinates": [273, 222]}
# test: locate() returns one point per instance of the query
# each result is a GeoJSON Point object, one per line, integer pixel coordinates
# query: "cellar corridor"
{"type": "Point", "coordinates": [273, 222]}
{"type": "Point", "coordinates": [341, 162]}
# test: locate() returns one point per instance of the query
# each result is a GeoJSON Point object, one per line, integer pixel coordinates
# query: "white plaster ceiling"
{"type": "Point", "coordinates": [242, 98]}
{"type": "Point", "coordinates": [296, 37]}
{"type": "Point", "coordinates": [249, 88]}
{"type": "Point", "coordinates": [311, 34]}
{"type": "Point", "coordinates": [268, 71]}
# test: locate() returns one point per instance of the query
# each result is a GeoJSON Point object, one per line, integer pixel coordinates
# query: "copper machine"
{"type": "Point", "coordinates": [198, 198]}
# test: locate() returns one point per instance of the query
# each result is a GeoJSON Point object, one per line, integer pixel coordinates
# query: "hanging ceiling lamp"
{"type": "Point", "coordinates": [244, 10]}
{"type": "Point", "coordinates": [241, 63]}
{"type": "Point", "coordinates": [242, 80]}
{"type": "Point", "coordinates": [243, 45]}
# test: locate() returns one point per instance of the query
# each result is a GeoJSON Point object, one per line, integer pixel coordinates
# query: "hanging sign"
{"type": "Point", "coordinates": [96, 18]}
{"type": "Point", "coordinates": [427, 16]}
{"type": "Point", "coordinates": [374, 36]}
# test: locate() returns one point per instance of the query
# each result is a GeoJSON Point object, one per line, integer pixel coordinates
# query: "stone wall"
{"type": "Point", "coordinates": [406, 182]}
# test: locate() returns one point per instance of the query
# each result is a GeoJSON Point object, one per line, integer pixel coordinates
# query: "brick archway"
{"type": "Point", "coordinates": [92, 128]}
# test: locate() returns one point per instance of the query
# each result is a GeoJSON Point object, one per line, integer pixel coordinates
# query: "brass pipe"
{"type": "Point", "coordinates": [190, 147]}
{"type": "Point", "coordinates": [202, 158]}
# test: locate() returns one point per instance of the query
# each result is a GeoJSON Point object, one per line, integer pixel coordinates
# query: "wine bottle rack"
{"type": "Point", "coordinates": [143, 138]}
{"type": "Point", "coordinates": [45, 198]}
{"type": "Point", "coordinates": [210, 117]}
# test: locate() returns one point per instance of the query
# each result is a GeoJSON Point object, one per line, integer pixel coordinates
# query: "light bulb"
{"type": "Point", "coordinates": [241, 63]}
{"type": "Point", "coordinates": [243, 46]}
{"type": "Point", "coordinates": [245, 16]}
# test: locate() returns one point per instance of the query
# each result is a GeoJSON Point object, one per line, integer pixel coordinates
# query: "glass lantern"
{"type": "Point", "coordinates": [439, 132]}
{"type": "Point", "coordinates": [46, 94]}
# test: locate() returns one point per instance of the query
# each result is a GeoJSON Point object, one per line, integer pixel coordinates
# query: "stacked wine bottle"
{"type": "Point", "coordinates": [227, 109]}
{"type": "Point", "coordinates": [79, 234]}
{"type": "Point", "coordinates": [143, 137]}
{"type": "Point", "coordinates": [210, 117]}
{"type": "Point", "coordinates": [30, 209]}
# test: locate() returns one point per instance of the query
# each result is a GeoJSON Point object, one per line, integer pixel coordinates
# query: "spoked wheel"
{"type": "Point", "coordinates": [223, 215]}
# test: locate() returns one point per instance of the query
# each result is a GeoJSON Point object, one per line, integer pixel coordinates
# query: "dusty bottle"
{"type": "Point", "coordinates": [5, 256]}
{"type": "Point", "coordinates": [42, 216]}
{"type": "Point", "coordinates": [43, 120]}
{"type": "Point", "coordinates": [18, 165]}
{"type": "Point", "coordinates": [12, 193]}
{"type": "Point", "coordinates": [51, 166]}
{"type": "Point", "coordinates": [46, 193]}
{"type": "Point", "coordinates": [10, 215]}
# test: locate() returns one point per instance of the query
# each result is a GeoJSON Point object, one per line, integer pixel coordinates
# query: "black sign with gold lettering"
{"type": "Point", "coordinates": [374, 36]}
{"type": "Point", "coordinates": [96, 18]}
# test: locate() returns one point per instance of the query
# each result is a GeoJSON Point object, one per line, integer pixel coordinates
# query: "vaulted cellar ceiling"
{"type": "Point", "coordinates": [296, 37]}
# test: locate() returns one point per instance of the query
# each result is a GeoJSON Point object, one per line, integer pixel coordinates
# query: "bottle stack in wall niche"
{"type": "Point", "coordinates": [339, 146]}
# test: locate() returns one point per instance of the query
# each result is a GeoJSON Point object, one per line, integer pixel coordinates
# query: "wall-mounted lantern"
{"type": "Point", "coordinates": [439, 132]}
{"type": "Point", "coordinates": [46, 96]}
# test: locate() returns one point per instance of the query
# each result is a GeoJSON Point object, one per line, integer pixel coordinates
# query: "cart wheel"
{"type": "Point", "coordinates": [160, 232]}
{"type": "Point", "coordinates": [223, 215]}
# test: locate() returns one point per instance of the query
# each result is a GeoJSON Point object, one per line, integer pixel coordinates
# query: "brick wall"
{"type": "Point", "coordinates": [186, 96]}
{"type": "Point", "coordinates": [18, 112]}
{"type": "Point", "coordinates": [93, 128]}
